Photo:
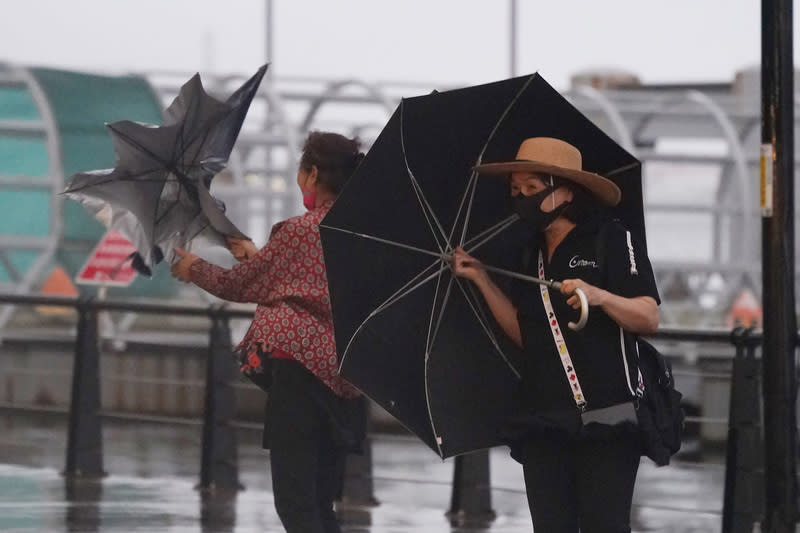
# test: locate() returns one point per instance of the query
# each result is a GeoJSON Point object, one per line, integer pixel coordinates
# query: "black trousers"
{"type": "Point", "coordinates": [581, 483]}
{"type": "Point", "coordinates": [306, 460]}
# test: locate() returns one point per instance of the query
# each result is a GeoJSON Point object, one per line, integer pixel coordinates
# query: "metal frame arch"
{"type": "Point", "coordinates": [56, 172]}
{"type": "Point", "coordinates": [275, 103]}
{"type": "Point", "coordinates": [612, 113]}
{"type": "Point", "coordinates": [729, 133]}
{"type": "Point", "coordinates": [737, 154]}
{"type": "Point", "coordinates": [57, 181]}
{"type": "Point", "coordinates": [749, 127]}
{"type": "Point", "coordinates": [335, 88]}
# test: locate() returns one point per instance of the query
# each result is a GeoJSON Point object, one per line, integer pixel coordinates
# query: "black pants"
{"type": "Point", "coordinates": [306, 459]}
{"type": "Point", "coordinates": [579, 483]}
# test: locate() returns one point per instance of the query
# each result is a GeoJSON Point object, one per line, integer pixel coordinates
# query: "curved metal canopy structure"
{"type": "Point", "coordinates": [698, 145]}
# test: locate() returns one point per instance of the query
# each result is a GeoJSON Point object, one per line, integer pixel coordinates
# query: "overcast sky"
{"type": "Point", "coordinates": [444, 41]}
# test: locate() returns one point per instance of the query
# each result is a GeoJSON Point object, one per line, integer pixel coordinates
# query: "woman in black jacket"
{"type": "Point", "coordinates": [578, 474]}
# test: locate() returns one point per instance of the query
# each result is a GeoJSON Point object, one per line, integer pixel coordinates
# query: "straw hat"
{"type": "Point", "coordinates": [559, 158]}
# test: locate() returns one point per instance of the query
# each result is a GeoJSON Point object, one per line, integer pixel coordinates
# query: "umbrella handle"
{"type": "Point", "coordinates": [555, 285]}
{"type": "Point", "coordinates": [579, 325]}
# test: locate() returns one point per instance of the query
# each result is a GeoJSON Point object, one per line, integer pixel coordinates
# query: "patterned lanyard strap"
{"type": "Point", "coordinates": [561, 345]}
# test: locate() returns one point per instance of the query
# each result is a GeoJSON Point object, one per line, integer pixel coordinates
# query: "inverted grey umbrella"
{"type": "Point", "coordinates": [158, 195]}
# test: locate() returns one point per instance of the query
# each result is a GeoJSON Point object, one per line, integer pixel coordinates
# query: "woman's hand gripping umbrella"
{"type": "Point", "coordinates": [467, 266]}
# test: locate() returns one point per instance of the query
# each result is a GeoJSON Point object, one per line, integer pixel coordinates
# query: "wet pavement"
{"type": "Point", "coordinates": [154, 467]}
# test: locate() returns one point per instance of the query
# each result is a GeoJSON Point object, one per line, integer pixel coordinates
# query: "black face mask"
{"type": "Point", "coordinates": [528, 208]}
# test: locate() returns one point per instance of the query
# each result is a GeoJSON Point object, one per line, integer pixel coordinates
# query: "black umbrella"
{"type": "Point", "coordinates": [158, 195]}
{"type": "Point", "coordinates": [416, 339]}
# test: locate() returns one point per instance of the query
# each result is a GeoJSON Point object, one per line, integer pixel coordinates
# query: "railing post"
{"type": "Point", "coordinates": [218, 511]}
{"type": "Point", "coordinates": [85, 438]}
{"type": "Point", "coordinates": [471, 500]}
{"type": "Point", "coordinates": [357, 483]}
{"type": "Point", "coordinates": [219, 469]}
{"type": "Point", "coordinates": [83, 510]}
{"type": "Point", "coordinates": [743, 503]}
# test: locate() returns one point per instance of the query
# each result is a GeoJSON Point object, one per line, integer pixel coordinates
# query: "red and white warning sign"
{"type": "Point", "coordinates": [109, 263]}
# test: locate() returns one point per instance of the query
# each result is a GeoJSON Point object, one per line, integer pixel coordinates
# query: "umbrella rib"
{"type": "Point", "coordinates": [503, 117]}
{"type": "Point", "coordinates": [620, 170]}
{"type": "Point", "coordinates": [482, 320]}
{"type": "Point", "coordinates": [427, 211]}
{"type": "Point", "coordinates": [479, 315]}
{"type": "Point", "coordinates": [169, 208]}
{"type": "Point", "coordinates": [180, 146]}
{"type": "Point", "coordinates": [219, 117]}
{"type": "Point", "coordinates": [136, 145]}
{"type": "Point", "coordinates": [405, 290]}
{"type": "Point", "coordinates": [180, 149]}
{"type": "Point", "coordinates": [144, 149]}
{"type": "Point", "coordinates": [125, 178]}
{"type": "Point", "coordinates": [490, 233]}
{"type": "Point", "coordinates": [387, 241]}
{"type": "Point", "coordinates": [198, 232]}
{"type": "Point", "coordinates": [432, 332]}
{"type": "Point", "coordinates": [436, 438]}
{"type": "Point", "coordinates": [175, 204]}
{"type": "Point", "coordinates": [222, 115]}
{"type": "Point", "coordinates": [470, 186]}
{"type": "Point", "coordinates": [458, 212]}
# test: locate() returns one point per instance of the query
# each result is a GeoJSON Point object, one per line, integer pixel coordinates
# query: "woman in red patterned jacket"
{"type": "Point", "coordinates": [313, 416]}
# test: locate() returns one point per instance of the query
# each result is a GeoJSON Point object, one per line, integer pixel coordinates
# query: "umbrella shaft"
{"type": "Point", "coordinates": [550, 284]}
{"type": "Point", "coordinates": [437, 255]}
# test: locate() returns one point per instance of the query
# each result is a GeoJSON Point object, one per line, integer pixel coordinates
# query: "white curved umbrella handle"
{"type": "Point", "coordinates": [579, 325]}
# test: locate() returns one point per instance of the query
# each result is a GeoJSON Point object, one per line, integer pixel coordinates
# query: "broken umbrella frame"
{"type": "Point", "coordinates": [157, 195]}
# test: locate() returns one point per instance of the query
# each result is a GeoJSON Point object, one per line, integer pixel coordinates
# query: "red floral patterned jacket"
{"type": "Point", "coordinates": [286, 278]}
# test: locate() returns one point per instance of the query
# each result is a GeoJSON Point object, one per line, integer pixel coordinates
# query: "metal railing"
{"type": "Point", "coordinates": [471, 487]}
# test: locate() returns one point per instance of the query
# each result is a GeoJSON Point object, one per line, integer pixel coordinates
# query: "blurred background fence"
{"type": "Point", "coordinates": [90, 377]}
{"type": "Point", "coordinates": [698, 145]}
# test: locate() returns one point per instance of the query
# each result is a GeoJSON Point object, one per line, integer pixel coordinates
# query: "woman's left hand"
{"type": "Point", "coordinates": [182, 269]}
{"type": "Point", "coordinates": [594, 295]}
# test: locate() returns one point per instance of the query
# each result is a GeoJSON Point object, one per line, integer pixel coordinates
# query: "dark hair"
{"type": "Point", "coordinates": [335, 156]}
{"type": "Point", "coordinates": [584, 204]}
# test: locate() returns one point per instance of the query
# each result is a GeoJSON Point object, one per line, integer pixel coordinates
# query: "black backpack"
{"type": "Point", "coordinates": [659, 412]}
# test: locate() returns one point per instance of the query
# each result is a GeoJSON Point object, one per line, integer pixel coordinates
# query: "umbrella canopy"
{"type": "Point", "coordinates": [415, 338]}
{"type": "Point", "coordinates": [158, 195]}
